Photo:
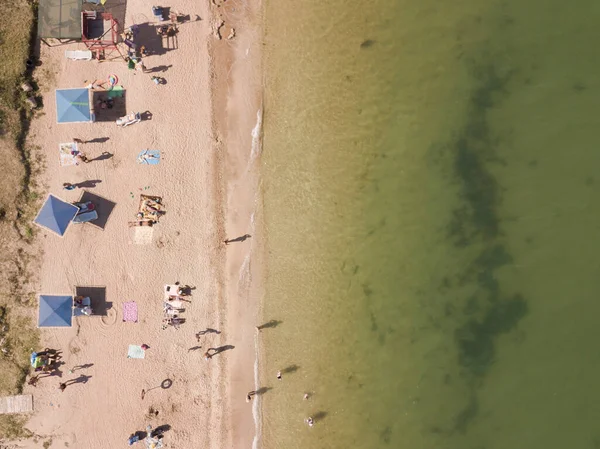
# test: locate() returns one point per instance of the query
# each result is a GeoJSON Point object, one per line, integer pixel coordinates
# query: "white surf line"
{"type": "Point", "coordinates": [257, 136]}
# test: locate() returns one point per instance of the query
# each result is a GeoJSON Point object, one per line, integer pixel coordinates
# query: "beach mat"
{"type": "Point", "coordinates": [65, 151]}
{"type": "Point", "coordinates": [135, 352]}
{"type": "Point", "coordinates": [16, 404]}
{"type": "Point", "coordinates": [130, 312]}
{"type": "Point", "coordinates": [149, 157]}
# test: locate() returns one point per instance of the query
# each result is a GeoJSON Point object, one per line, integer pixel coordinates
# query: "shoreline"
{"type": "Point", "coordinates": [239, 115]}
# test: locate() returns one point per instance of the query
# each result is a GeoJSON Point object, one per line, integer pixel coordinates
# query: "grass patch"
{"type": "Point", "coordinates": [18, 201]}
{"type": "Point", "coordinates": [13, 427]}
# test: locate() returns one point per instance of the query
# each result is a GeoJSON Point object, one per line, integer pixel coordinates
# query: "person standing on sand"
{"type": "Point", "coordinates": [306, 396]}
{"type": "Point", "coordinates": [310, 421]}
{"type": "Point", "coordinates": [62, 387]}
{"type": "Point", "coordinates": [33, 380]}
{"type": "Point", "coordinates": [80, 157]}
{"type": "Point", "coordinates": [249, 396]}
{"type": "Point", "coordinates": [79, 141]}
{"type": "Point", "coordinates": [279, 375]}
{"type": "Point", "coordinates": [207, 356]}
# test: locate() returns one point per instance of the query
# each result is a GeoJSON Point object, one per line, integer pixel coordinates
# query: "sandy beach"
{"type": "Point", "coordinates": [205, 121]}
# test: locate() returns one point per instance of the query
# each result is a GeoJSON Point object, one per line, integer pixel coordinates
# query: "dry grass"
{"type": "Point", "coordinates": [18, 334]}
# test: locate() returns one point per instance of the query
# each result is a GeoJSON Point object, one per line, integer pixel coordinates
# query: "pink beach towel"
{"type": "Point", "coordinates": [130, 312]}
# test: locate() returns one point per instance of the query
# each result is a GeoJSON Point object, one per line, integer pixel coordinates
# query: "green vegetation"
{"type": "Point", "coordinates": [18, 201]}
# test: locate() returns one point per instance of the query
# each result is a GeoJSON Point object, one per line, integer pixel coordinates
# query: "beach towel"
{"type": "Point", "coordinates": [67, 152]}
{"type": "Point", "coordinates": [135, 352]}
{"type": "Point", "coordinates": [130, 312]}
{"type": "Point", "coordinates": [149, 157]}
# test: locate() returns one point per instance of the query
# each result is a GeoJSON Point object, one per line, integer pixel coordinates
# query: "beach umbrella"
{"type": "Point", "coordinates": [56, 215]}
{"type": "Point", "coordinates": [73, 105]}
{"type": "Point", "coordinates": [55, 311]}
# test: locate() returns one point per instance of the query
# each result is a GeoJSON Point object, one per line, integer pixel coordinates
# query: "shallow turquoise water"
{"type": "Point", "coordinates": [430, 195]}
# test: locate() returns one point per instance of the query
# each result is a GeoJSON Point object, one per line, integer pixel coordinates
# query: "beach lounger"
{"type": "Point", "coordinates": [87, 212]}
{"type": "Point", "coordinates": [175, 304]}
{"type": "Point", "coordinates": [172, 290]}
{"type": "Point", "coordinates": [79, 55]}
{"type": "Point", "coordinates": [129, 119]}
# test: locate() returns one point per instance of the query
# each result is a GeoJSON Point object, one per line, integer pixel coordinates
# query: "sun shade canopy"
{"type": "Point", "coordinates": [56, 215]}
{"type": "Point", "coordinates": [73, 105]}
{"type": "Point", "coordinates": [59, 19]}
{"type": "Point", "coordinates": [55, 311]}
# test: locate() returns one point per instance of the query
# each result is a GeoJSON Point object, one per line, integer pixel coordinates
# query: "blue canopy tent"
{"type": "Point", "coordinates": [73, 105]}
{"type": "Point", "coordinates": [55, 311]}
{"type": "Point", "coordinates": [56, 215]}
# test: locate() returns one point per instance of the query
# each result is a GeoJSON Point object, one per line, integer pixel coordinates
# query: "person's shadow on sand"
{"type": "Point", "coordinates": [159, 68]}
{"type": "Point", "coordinates": [89, 184]}
{"type": "Point", "coordinates": [105, 155]}
{"type": "Point", "coordinates": [214, 351]}
{"type": "Point", "coordinates": [242, 238]}
{"type": "Point", "coordinates": [82, 379]}
{"type": "Point", "coordinates": [98, 140]}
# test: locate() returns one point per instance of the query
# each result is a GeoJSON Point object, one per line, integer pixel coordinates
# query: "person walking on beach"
{"type": "Point", "coordinates": [249, 396]}
{"type": "Point", "coordinates": [62, 387]}
{"type": "Point", "coordinates": [33, 380]}
{"type": "Point", "coordinates": [279, 375]}
{"type": "Point", "coordinates": [207, 356]}
{"type": "Point", "coordinates": [79, 141]}
{"type": "Point", "coordinates": [306, 396]}
{"type": "Point", "coordinates": [69, 186]}
{"type": "Point", "coordinates": [310, 421]}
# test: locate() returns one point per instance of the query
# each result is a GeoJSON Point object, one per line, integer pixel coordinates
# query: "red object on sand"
{"type": "Point", "coordinates": [144, 347]}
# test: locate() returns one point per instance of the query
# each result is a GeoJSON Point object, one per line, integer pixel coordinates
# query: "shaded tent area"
{"type": "Point", "coordinates": [56, 215]}
{"type": "Point", "coordinates": [97, 297]}
{"type": "Point", "coordinates": [73, 105]}
{"type": "Point", "coordinates": [59, 19]}
{"type": "Point", "coordinates": [109, 105]}
{"type": "Point", "coordinates": [64, 19]}
{"type": "Point", "coordinates": [103, 207]}
{"type": "Point", "coordinates": [55, 311]}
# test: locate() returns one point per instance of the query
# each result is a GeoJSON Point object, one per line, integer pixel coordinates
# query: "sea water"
{"type": "Point", "coordinates": [431, 191]}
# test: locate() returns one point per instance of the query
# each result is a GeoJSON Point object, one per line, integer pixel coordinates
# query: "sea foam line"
{"type": "Point", "coordinates": [256, 137]}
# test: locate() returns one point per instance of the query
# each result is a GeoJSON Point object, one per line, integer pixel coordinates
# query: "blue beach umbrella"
{"type": "Point", "coordinates": [73, 105]}
{"type": "Point", "coordinates": [55, 311]}
{"type": "Point", "coordinates": [56, 215]}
